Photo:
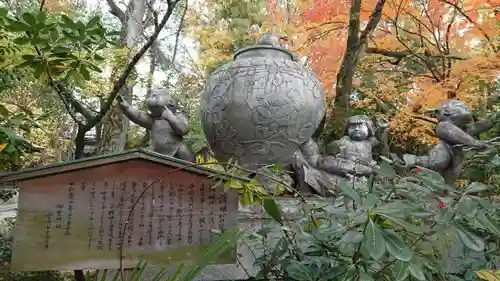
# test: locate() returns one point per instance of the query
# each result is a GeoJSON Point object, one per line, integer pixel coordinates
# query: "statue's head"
{"type": "Point", "coordinates": [269, 38]}
{"type": "Point", "coordinates": [455, 111]}
{"type": "Point", "coordinates": [359, 127]}
{"type": "Point", "coordinates": [159, 99]}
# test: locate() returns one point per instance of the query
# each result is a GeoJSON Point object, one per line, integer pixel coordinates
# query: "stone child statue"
{"type": "Point", "coordinates": [360, 137]}
{"type": "Point", "coordinates": [166, 123]}
{"type": "Point", "coordinates": [456, 129]}
{"type": "Point", "coordinates": [351, 156]}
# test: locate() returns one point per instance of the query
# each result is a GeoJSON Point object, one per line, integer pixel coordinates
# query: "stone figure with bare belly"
{"type": "Point", "coordinates": [167, 124]}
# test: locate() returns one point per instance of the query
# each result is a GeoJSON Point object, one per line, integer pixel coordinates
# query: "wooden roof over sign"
{"type": "Point", "coordinates": [95, 161]}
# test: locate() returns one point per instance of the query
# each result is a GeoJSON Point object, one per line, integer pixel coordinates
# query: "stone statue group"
{"type": "Point", "coordinates": [264, 107]}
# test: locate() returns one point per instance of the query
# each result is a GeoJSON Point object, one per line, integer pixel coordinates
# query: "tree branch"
{"type": "Point", "coordinates": [421, 58]}
{"type": "Point", "coordinates": [319, 35]}
{"type": "Point", "coordinates": [354, 49]}
{"type": "Point", "coordinates": [326, 23]}
{"type": "Point", "coordinates": [116, 11]}
{"type": "Point", "coordinates": [423, 118]}
{"type": "Point", "coordinates": [177, 36]}
{"type": "Point", "coordinates": [485, 35]}
{"type": "Point", "coordinates": [70, 99]}
{"type": "Point", "coordinates": [373, 22]}
{"type": "Point", "coordinates": [130, 67]}
{"type": "Point", "coordinates": [400, 54]}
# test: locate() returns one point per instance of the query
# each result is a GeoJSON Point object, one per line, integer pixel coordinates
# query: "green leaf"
{"type": "Point", "coordinates": [405, 225]}
{"type": "Point", "coordinates": [476, 187]}
{"type": "Point", "coordinates": [10, 149]}
{"type": "Point", "coordinates": [363, 276]}
{"type": "Point", "coordinates": [38, 68]}
{"type": "Point", "coordinates": [22, 40]}
{"type": "Point", "coordinates": [387, 170]}
{"type": "Point", "coordinates": [60, 49]}
{"type": "Point", "coordinates": [467, 207]}
{"type": "Point", "coordinates": [28, 57]}
{"type": "Point", "coordinates": [280, 248]}
{"type": "Point", "coordinates": [54, 34]}
{"type": "Point", "coordinates": [16, 26]}
{"type": "Point", "coordinates": [8, 133]}
{"type": "Point", "coordinates": [328, 275]}
{"type": "Point", "coordinates": [416, 272]}
{"type": "Point", "coordinates": [234, 183]}
{"type": "Point", "coordinates": [92, 22]}
{"type": "Point", "coordinates": [85, 73]}
{"type": "Point", "coordinates": [29, 18]}
{"type": "Point", "coordinates": [400, 271]}
{"type": "Point", "coordinates": [327, 233]}
{"type": "Point", "coordinates": [40, 40]}
{"type": "Point", "coordinates": [3, 12]}
{"type": "Point", "coordinates": [470, 240]}
{"type": "Point", "coordinates": [431, 175]}
{"type": "Point", "coordinates": [445, 215]}
{"type": "Point", "coordinates": [246, 198]}
{"type": "Point", "coordinates": [41, 17]}
{"type": "Point", "coordinates": [94, 67]}
{"type": "Point", "coordinates": [348, 191]}
{"type": "Point", "coordinates": [489, 275]}
{"type": "Point", "coordinates": [98, 57]}
{"type": "Point", "coordinates": [370, 200]}
{"type": "Point", "coordinates": [374, 241]}
{"type": "Point", "coordinates": [299, 271]}
{"type": "Point", "coordinates": [78, 79]}
{"type": "Point", "coordinates": [67, 22]}
{"type": "Point", "coordinates": [273, 210]}
{"type": "Point", "coordinates": [352, 237]}
{"type": "Point", "coordinates": [396, 246]}
{"type": "Point", "coordinates": [496, 160]}
{"type": "Point", "coordinates": [4, 111]}
{"type": "Point", "coordinates": [486, 223]}
{"type": "Point", "coordinates": [392, 208]}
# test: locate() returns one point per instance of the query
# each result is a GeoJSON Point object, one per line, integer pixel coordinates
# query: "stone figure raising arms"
{"type": "Point", "coordinates": [166, 123]}
{"type": "Point", "coordinates": [456, 130]}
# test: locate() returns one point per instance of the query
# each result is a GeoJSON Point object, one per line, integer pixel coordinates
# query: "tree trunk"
{"type": "Point", "coordinates": [357, 42]}
{"type": "Point", "coordinates": [114, 132]}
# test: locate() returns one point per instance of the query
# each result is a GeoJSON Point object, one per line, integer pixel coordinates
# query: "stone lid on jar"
{"type": "Point", "coordinates": [264, 51]}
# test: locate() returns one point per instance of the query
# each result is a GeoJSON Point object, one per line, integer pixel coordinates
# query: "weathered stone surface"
{"type": "Point", "coordinates": [261, 107]}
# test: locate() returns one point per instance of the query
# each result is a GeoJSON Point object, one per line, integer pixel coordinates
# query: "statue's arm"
{"type": "Point", "coordinates": [453, 135]}
{"type": "Point", "coordinates": [178, 122]}
{"type": "Point", "coordinates": [480, 127]}
{"type": "Point", "coordinates": [135, 115]}
{"type": "Point", "coordinates": [438, 158]}
{"type": "Point", "coordinates": [380, 133]}
{"type": "Point", "coordinates": [333, 148]}
{"type": "Point", "coordinates": [310, 151]}
{"type": "Point", "coordinates": [374, 141]}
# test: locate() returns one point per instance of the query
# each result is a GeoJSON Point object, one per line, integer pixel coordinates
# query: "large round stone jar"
{"type": "Point", "coordinates": [259, 108]}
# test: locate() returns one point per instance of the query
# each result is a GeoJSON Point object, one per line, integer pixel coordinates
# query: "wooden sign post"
{"type": "Point", "coordinates": [77, 215]}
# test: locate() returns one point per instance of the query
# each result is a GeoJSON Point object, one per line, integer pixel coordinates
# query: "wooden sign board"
{"type": "Point", "coordinates": [76, 218]}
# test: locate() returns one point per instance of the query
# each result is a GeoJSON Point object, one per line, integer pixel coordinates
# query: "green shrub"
{"type": "Point", "coordinates": [398, 230]}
